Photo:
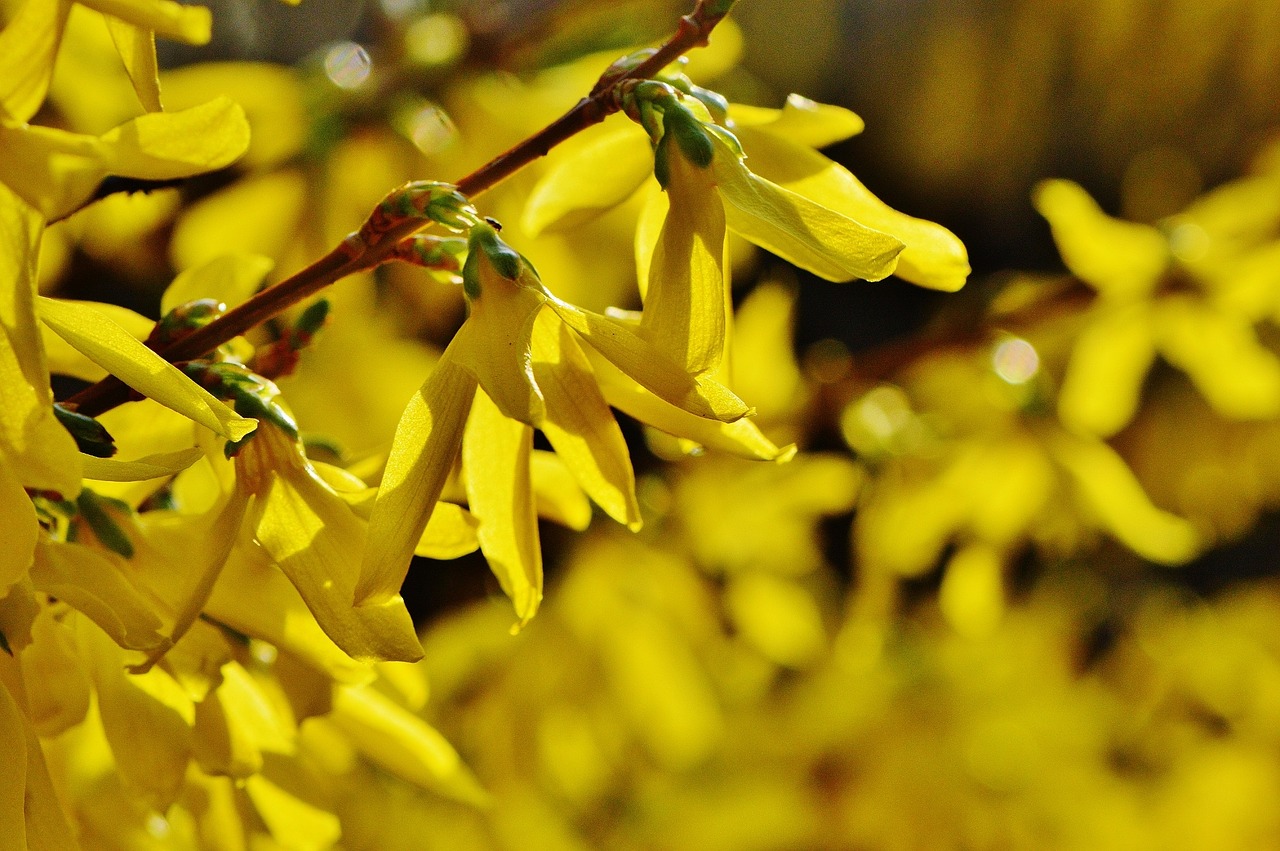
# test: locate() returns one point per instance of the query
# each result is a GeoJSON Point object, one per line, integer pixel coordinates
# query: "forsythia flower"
{"type": "Point", "coordinates": [518, 358]}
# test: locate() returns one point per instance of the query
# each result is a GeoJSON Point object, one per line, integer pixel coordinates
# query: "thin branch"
{"type": "Point", "coordinates": [596, 107]}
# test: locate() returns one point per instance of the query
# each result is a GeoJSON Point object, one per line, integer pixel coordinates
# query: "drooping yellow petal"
{"type": "Point", "coordinates": [316, 539]}
{"type": "Point", "coordinates": [13, 780]}
{"type": "Point", "coordinates": [202, 545]}
{"type": "Point", "coordinates": [47, 828]}
{"type": "Point", "coordinates": [57, 172]}
{"type": "Point", "coordinates": [579, 423]}
{"type": "Point", "coordinates": [560, 498]}
{"type": "Point", "coordinates": [227, 278]}
{"type": "Point", "coordinates": [972, 594]}
{"type": "Point", "coordinates": [493, 344]}
{"type": "Point", "coordinates": [1120, 260]}
{"type": "Point", "coordinates": [592, 173]}
{"type": "Point", "coordinates": [40, 452]}
{"type": "Point", "coordinates": [137, 48]}
{"type": "Point", "coordinates": [190, 24]}
{"type": "Point", "coordinates": [28, 47]}
{"type": "Point", "coordinates": [495, 464]}
{"type": "Point", "coordinates": [643, 362]}
{"type": "Point", "coordinates": [1103, 382]}
{"type": "Point", "coordinates": [235, 723]}
{"type": "Point", "coordinates": [252, 596]}
{"type": "Point", "coordinates": [934, 257]}
{"type": "Point", "coordinates": [93, 584]}
{"type": "Point", "coordinates": [22, 528]}
{"type": "Point", "coordinates": [118, 352]}
{"type": "Point", "coordinates": [423, 451]}
{"type": "Point", "coordinates": [687, 300]}
{"type": "Point", "coordinates": [450, 533]}
{"type": "Point", "coordinates": [403, 743]}
{"type": "Point", "coordinates": [1222, 356]}
{"type": "Point", "coordinates": [295, 823]}
{"type": "Point", "coordinates": [160, 465]}
{"type": "Point", "coordinates": [804, 232]}
{"type": "Point", "coordinates": [653, 212]}
{"type": "Point", "coordinates": [57, 681]}
{"type": "Point", "coordinates": [1111, 491]}
{"type": "Point", "coordinates": [147, 719]}
{"type": "Point", "coordinates": [801, 120]}
{"type": "Point", "coordinates": [19, 609]}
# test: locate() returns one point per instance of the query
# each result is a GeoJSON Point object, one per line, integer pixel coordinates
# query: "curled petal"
{"type": "Point", "coordinates": [806, 122]}
{"type": "Point", "coordinates": [137, 48]}
{"type": "Point", "coordinates": [425, 446]}
{"type": "Point", "coordinates": [495, 464]}
{"type": "Point", "coordinates": [158, 466]}
{"type": "Point", "coordinates": [933, 257]}
{"type": "Point", "coordinates": [811, 236]}
{"type": "Point", "coordinates": [118, 352]}
{"type": "Point", "coordinates": [643, 362]}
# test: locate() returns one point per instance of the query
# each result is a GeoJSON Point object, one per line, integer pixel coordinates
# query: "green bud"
{"type": "Point", "coordinates": [662, 165]}
{"type": "Point", "coordinates": [93, 509]}
{"type": "Point", "coordinates": [313, 318]}
{"type": "Point", "coordinates": [505, 259]}
{"type": "Point", "coordinates": [90, 435]}
{"type": "Point", "coordinates": [691, 135]}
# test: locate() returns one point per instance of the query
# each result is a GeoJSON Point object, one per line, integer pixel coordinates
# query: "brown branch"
{"type": "Point", "coordinates": [596, 107]}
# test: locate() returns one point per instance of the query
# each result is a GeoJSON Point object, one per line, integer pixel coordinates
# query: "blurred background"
{"type": "Point", "coordinates": [967, 615]}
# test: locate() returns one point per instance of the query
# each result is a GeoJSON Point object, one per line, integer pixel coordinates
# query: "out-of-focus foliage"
{"type": "Point", "coordinates": [949, 591]}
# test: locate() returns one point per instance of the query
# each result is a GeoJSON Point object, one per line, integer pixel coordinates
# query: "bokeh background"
{"type": "Point", "coordinates": [956, 619]}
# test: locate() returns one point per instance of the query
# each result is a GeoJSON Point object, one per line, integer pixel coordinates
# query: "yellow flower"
{"type": "Point", "coordinates": [1206, 330]}
{"type": "Point", "coordinates": [518, 357]}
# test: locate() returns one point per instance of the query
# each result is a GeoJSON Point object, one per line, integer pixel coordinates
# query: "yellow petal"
{"type": "Point", "coordinates": [40, 452]}
{"type": "Point", "coordinates": [316, 539]}
{"type": "Point", "coordinates": [425, 446]}
{"type": "Point", "coordinates": [403, 744]}
{"type": "Point", "coordinates": [253, 597]}
{"type": "Point", "coordinates": [160, 465]}
{"type": "Point", "coordinates": [190, 24]}
{"type": "Point", "coordinates": [137, 48]}
{"type": "Point", "coordinates": [559, 497]}
{"type": "Point", "coordinates": [806, 122]}
{"type": "Point", "coordinates": [146, 717]}
{"type": "Point", "coordinates": [18, 519]}
{"type": "Point", "coordinates": [1111, 491]}
{"type": "Point", "coordinates": [13, 780]}
{"type": "Point", "coordinates": [202, 546]}
{"type": "Point", "coordinates": [235, 724]}
{"type": "Point", "coordinates": [592, 173]}
{"type": "Point", "coordinates": [777, 616]}
{"type": "Point", "coordinates": [57, 172]}
{"type": "Point", "coordinates": [1103, 382]}
{"type": "Point", "coordinates": [493, 344]}
{"type": "Point", "coordinates": [579, 424]}
{"type": "Point", "coordinates": [1222, 356]}
{"type": "Point", "coordinates": [972, 594]}
{"type": "Point", "coordinates": [55, 675]}
{"type": "Point", "coordinates": [1118, 259]}
{"type": "Point", "coordinates": [741, 437]}
{"type": "Point", "coordinates": [227, 278]}
{"type": "Point", "coordinates": [93, 584]}
{"type": "Point", "coordinates": [116, 351]}
{"type": "Point", "coordinates": [641, 360]}
{"type": "Point", "coordinates": [652, 214]}
{"type": "Point", "coordinates": [687, 300]}
{"type": "Point", "coordinates": [19, 609]}
{"type": "Point", "coordinates": [811, 236]}
{"type": "Point", "coordinates": [28, 47]}
{"type": "Point", "coordinates": [450, 533]}
{"type": "Point", "coordinates": [295, 823]}
{"type": "Point", "coordinates": [495, 464]}
{"type": "Point", "coordinates": [933, 257]}
{"type": "Point", "coordinates": [47, 828]}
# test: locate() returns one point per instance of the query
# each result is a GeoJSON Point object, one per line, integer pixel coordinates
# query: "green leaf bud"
{"type": "Point", "coordinates": [90, 435]}
{"type": "Point", "coordinates": [92, 508]}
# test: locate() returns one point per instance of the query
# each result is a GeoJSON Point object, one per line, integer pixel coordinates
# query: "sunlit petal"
{"type": "Point", "coordinates": [118, 352]}
{"type": "Point", "coordinates": [423, 451]}
{"type": "Point", "coordinates": [28, 46]}
{"type": "Point", "coordinates": [137, 48]}
{"type": "Point", "coordinates": [1103, 382]}
{"type": "Point", "coordinates": [191, 24]}
{"type": "Point", "coordinates": [579, 423]}
{"type": "Point", "coordinates": [495, 464]}
{"type": "Point", "coordinates": [801, 120]}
